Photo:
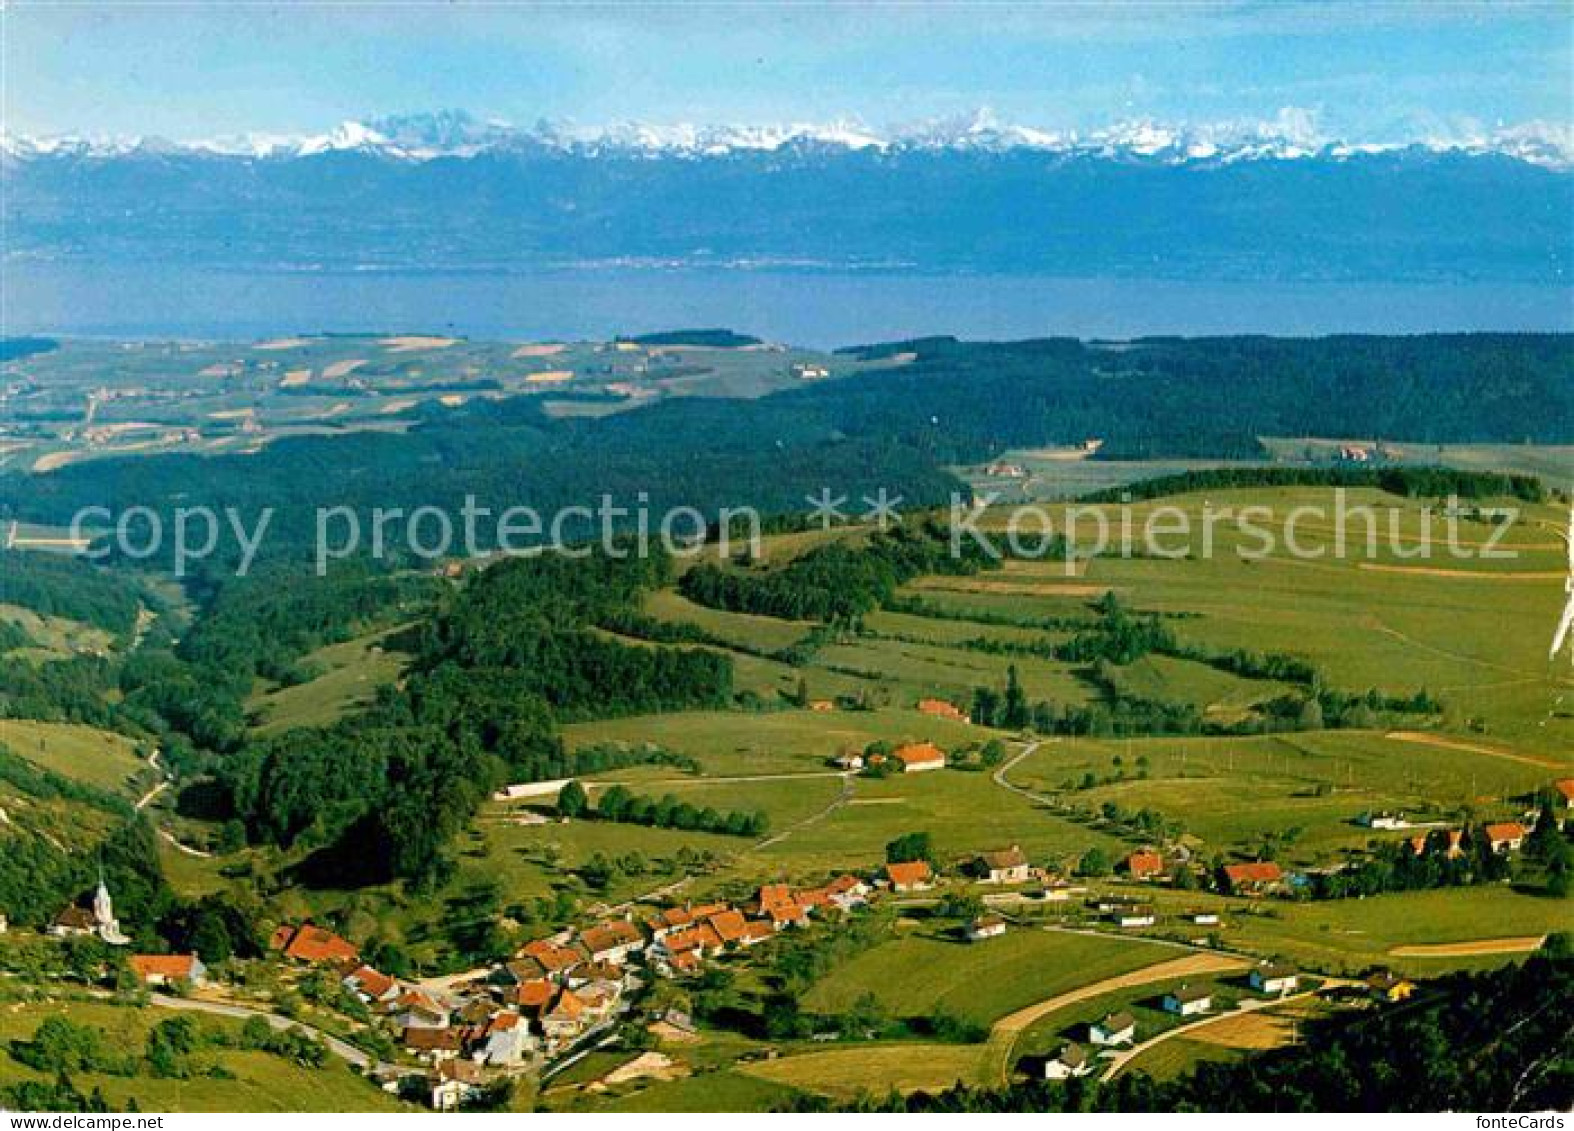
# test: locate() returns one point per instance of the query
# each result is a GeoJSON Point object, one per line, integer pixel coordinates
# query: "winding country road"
{"type": "Point", "coordinates": [280, 1024]}
{"type": "Point", "coordinates": [995, 1067]}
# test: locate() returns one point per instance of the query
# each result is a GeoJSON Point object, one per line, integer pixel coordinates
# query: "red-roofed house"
{"type": "Point", "coordinates": [730, 926]}
{"type": "Point", "coordinates": [917, 757]}
{"type": "Point", "coordinates": [913, 876]}
{"type": "Point", "coordinates": [307, 943]}
{"type": "Point", "coordinates": [1564, 788]}
{"type": "Point", "coordinates": [1506, 836]}
{"type": "Point", "coordinates": [168, 969]}
{"type": "Point", "coordinates": [778, 904]}
{"type": "Point", "coordinates": [1255, 878]}
{"type": "Point", "coordinates": [613, 941]}
{"type": "Point", "coordinates": [1144, 864]}
{"type": "Point", "coordinates": [371, 985]}
{"type": "Point", "coordinates": [555, 958]}
{"type": "Point", "coordinates": [533, 997]}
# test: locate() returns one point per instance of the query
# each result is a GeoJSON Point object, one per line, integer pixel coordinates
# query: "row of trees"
{"type": "Point", "coordinates": [618, 803]}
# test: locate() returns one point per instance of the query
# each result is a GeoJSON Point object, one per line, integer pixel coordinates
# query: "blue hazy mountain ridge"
{"type": "Point", "coordinates": [1402, 215]}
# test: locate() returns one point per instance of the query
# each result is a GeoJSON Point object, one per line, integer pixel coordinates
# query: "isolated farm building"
{"type": "Point", "coordinates": [1383, 821]}
{"type": "Point", "coordinates": [612, 941]}
{"type": "Point", "coordinates": [1563, 795]}
{"type": "Point", "coordinates": [1006, 866]}
{"type": "Point", "coordinates": [1273, 978]}
{"type": "Point", "coordinates": [1256, 878]}
{"type": "Point", "coordinates": [1506, 836]}
{"type": "Point", "coordinates": [985, 927]}
{"type": "Point", "coordinates": [1205, 918]}
{"type": "Point", "coordinates": [1113, 1029]}
{"type": "Point", "coordinates": [1071, 1060]}
{"type": "Point", "coordinates": [917, 757]}
{"type": "Point", "coordinates": [848, 761]}
{"type": "Point", "coordinates": [1385, 985]}
{"type": "Point", "coordinates": [1143, 864]}
{"type": "Point", "coordinates": [941, 709]}
{"type": "Point", "coordinates": [822, 705]}
{"type": "Point", "coordinates": [1188, 1001]}
{"type": "Point", "coordinates": [307, 943]}
{"type": "Point", "coordinates": [915, 875]}
{"type": "Point", "coordinates": [371, 985]}
{"type": "Point", "coordinates": [168, 969]}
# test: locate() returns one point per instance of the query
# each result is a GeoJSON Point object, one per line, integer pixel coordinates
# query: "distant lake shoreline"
{"type": "Point", "coordinates": [820, 308]}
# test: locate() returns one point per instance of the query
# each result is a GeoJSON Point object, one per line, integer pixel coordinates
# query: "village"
{"type": "Point", "coordinates": [570, 991]}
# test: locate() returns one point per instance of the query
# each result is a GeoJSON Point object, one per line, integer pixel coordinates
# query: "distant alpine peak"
{"type": "Point", "coordinates": [1292, 134]}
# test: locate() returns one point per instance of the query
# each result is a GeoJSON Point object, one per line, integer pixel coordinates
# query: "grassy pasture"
{"type": "Point", "coordinates": [965, 812]}
{"type": "Point", "coordinates": [842, 1073]}
{"type": "Point", "coordinates": [262, 1082]}
{"type": "Point", "coordinates": [915, 975]}
{"type": "Point", "coordinates": [353, 670]}
{"type": "Point", "coordinates": [94, 757]}
{"type": "Point", "coordinates": [1233, 790]}
{"type": "Point", "coordinates": [732, 743]}
{"type": "Point", "coordinates": [55, 637]}
{"type": "Point", "coordinates": [736, 1090]}
{"type": "Point", "coordinates": [740, 629]}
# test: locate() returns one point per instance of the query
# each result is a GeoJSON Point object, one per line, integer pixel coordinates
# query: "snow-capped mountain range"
{"type": "Point", "coordinates": [1290, 135]}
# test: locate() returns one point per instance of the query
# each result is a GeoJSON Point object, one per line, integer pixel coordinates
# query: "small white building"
{"type": "Point", "coordinates": [985, 927]}
{"type": "Point", "coordinates": [1274, 978]}
{"type": "Point", "coordinates": [1072, 1060]}
{"type": "Point", "coordinates": [1135, 917]}
{"type": "Point", "coordinates": [1188, 1001]}
{"type": "Point", "coordinates": [1114, 1029]}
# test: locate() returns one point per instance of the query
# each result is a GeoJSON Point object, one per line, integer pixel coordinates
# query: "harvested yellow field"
{"type": "Point", "coordinates": [284, 344]}
{"type": "Point", "coordinates": [55, 459]}
{"type": "Point", "coordinates": [1257, 1031]}
{"type": "Point", "coordinates": [1012, 588]}
{"type": "Point", "coordinates": [1463, 574]}
{"type": "Point", "coordinates": [410, 342]}
{"type": "Point", "coordinates": [539, 349]}
{"type": "Point", "coordinates": [397, 406]}
{"type": "Point", "coordinates": [451, 400]}
{"type": "Point", "coordinates": [550, 377]}
{"type": "Point", "coordinates": [295, 378]}
{"type": "Point", "coordinates": [843, 1073]}
{"type": "Point", "coordinates": [1516, 945]}
{"type": "Point", "coordinates": [342, 368]}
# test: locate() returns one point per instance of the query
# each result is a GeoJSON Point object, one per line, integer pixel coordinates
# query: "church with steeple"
{"type": "Point", "coordinates": [76, 921]}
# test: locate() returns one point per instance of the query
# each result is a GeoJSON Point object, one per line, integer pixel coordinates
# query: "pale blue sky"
{"type": "Point", "coordinates": [1377, 72]}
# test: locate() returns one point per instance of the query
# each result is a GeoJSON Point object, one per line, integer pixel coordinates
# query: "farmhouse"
{"type": "Point", "coordinates": [1006, 866]}
{"type": "Point", "coordinates": [1383, 821]}
{"type": "Point", "coordinates": [1506, 836]}
{"type": "Point", "coordinates": [1071, 1060]}
{"type": "Point", "coordinates": [912, 876]}
{"type": "Point", "coordinates": [848, 761]}
{"type": "Point", "coordinates": [1205, 918]}
{"type": "Point", "coordinates": [432, 1045]}
{"type": "Point", "coordinates": [1257, 878]}
{"type": "Point", "coordinates": [1273, 978]}
{"type": "Point", "coordinates": [918, 757]}
{"type": "Point", "coordinates": [307, 943]}
{"type": "Point", "coordinates": [985, 927]}
{"type": "Point", "coordinates": [1563, 795]}
{"type": "Point", "coordinates": [168, 969]}
{"type": "Point", "coordinates": [1385, 985]}
{"type": "Point", "coordinates": [1188, 1001]}
{"type": "Point", "coordinates": [777, 904]}
{"type": "Point", "coordinates": [1114, 1029]}
{"type": "Point", "coordinates": [1143, 864]}
{"type": "Point", "coordinates": [941, 709]}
